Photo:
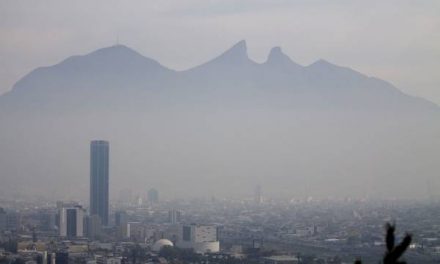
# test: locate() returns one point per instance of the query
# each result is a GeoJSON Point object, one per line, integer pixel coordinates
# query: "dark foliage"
{"type": "Point", "coordinates": [393, 253]}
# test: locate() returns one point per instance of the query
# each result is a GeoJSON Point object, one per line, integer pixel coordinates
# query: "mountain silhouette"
{"type": "Point", "coordinates": [228, 122]}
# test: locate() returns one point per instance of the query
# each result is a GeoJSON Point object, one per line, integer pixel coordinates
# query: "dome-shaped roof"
{"type": "Point", "coordinates": [161, 243]}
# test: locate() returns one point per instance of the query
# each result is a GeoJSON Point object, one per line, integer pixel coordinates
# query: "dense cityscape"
{"type": "Point", "coordinates": [147, 229]}
{"type": "Point", "coordinates": [219, 132]}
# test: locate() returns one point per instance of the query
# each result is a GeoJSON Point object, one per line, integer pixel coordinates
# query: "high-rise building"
{"type": "Point", "coordinates": [258, 198]}
{"type": "Point", "coordinates": [3, 219]}
{"type": "Point", "coordinates": [93, 226]}
{"type": "Point", "coordinates": [99, 179]}
{"type": "Point", "coordinates": [174, 216]}
{"type": "Point", "coordinates": [121, 221]}
{"type": "Point", "coordinates": [13, 220]}
{"type": "Point", "coordinates": [48, 220]}
{"type": "Point", "coordinates": [153, 195]}
{"type": "Point", "coordinates": [71, 222]}
{"type": "Point", "coordinates": [121, 218]}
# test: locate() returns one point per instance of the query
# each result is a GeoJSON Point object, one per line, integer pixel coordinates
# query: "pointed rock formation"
{"type": "Point", "coordinates": [279, 60]}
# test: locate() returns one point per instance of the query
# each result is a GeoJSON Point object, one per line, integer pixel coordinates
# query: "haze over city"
{"type": "Point", "coordinates": [294, 123]}
{"type": "Point", "coordinates": [222, 132]}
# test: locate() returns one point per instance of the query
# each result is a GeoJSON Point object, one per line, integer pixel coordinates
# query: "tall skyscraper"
{"type": "Point", "coordinates": [258, 198]}
{"type": "Point", "coordinates": [99, 179]}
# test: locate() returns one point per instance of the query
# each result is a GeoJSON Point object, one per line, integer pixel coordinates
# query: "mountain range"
{"type": "Point", "coordinates": [217, 129]}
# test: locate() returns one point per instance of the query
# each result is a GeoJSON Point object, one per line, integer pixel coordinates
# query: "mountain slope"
{"type": "Point", "coordinates": [85, 80]}
{"type": "Point", "coordinates": [118, 74]}
{"type": "Point", "coordinates": [228, 124]}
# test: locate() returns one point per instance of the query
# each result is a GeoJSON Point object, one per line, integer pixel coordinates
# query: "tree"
{"type": "Point", "coordinates": [393, 253]}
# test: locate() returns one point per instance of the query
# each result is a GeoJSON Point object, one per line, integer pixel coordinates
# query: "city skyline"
{"type": "Point", "coordinates": [221, 132]}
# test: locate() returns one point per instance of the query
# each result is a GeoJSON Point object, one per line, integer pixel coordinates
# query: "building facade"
{"type": "Point", "coordinates": [93, 226]}
{"type": "Point", "coordinates": [71, 222]}
{"type": "Point", "coordinates": [153, 195]}
{"type": "Point", "coordinates": [174, 216]}
{"type": "Point", "coordinates": [99, 180]}
{"type": "Point", "coordinates": [3, 219]}
{"type": "Point", "coordinates": [201, 238]}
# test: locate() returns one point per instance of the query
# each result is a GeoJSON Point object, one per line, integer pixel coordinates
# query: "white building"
{"type": "Point", "coordinates": [71, 222]}
{"type": "Point", "coordinates": [136, 231]}
{"type": "Point", "coordinates": [200, 238]}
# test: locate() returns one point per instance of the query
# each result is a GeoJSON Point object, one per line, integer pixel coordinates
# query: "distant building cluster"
{"type": "Point", "coordinates": [72, 232]}
{"type": "Point", "coordinates": [253, 230]}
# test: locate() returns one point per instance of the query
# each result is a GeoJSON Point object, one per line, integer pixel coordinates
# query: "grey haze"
{"type": "Point", "coordinates": [217, 129]}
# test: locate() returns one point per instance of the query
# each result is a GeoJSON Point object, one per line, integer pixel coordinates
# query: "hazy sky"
{"type": "Point", "coordinates": [398, 41]}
